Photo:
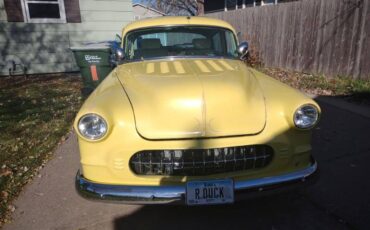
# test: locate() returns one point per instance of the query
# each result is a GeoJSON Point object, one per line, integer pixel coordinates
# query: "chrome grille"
{"type": "Point", "coordinates": [200, 162]}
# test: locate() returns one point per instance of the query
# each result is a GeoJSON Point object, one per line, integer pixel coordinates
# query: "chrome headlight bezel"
{"type": "Point", "coordinates": [99, 131]}
{"type": "Point", "coordinates": [306, 117]}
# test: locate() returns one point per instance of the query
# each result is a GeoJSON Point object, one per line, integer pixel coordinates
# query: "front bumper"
{"type": "Point", "coordinates": [176, 194]}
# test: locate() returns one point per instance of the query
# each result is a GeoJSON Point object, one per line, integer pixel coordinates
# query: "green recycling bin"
{"type": "Point", "coordinates": [94, 63]}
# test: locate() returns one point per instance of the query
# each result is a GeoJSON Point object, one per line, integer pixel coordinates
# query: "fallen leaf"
{"type": "Point", "coordinates": [4, 195]}
{"type": "Point", "coordinates": [11, 208]}
{"type": "Point", "coordinates": [5, 172]}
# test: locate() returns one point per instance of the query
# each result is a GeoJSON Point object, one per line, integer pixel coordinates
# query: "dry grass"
{"type": "Point", "coordinates": [35, 114]}
{"type": "Point", "coordinates": [357, 91]}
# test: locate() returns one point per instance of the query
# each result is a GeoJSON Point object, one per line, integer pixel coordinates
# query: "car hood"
{"type": "Point", "coordinates": [193, 98]}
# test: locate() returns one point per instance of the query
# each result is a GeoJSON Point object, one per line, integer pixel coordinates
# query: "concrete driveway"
{"type": "Point", "coordinates": [340, 199]}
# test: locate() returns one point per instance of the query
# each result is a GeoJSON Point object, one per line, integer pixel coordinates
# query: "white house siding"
{"type": "Point", "coordinates": [44, 48]}
{"type": "Point", "coordinates": [2, 11]}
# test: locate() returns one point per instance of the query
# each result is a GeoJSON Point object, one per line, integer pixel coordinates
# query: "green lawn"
{"type": "Point", "coordinates": [35, 114]}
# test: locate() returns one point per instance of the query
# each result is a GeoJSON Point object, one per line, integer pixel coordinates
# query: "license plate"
{"type": "Point", "coordinates": [210, 192]}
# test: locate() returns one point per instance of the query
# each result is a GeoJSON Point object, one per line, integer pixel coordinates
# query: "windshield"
{"type": "Point", "coordinates": [180, 41]}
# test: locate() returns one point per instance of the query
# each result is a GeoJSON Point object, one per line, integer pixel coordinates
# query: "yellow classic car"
{"type": "Point", "coordinates": [182, 119]}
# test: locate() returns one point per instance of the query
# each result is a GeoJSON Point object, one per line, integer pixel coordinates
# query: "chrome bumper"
{"type": "Point", "coordinates": [176, 194]}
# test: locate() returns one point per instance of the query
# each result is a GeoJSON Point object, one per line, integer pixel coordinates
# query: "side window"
{"type": "Point", "coordinates": [131, 46]}
{"type": "Point", "coordinates": [44, 11]}
{"type": "Point", "coordinates": [230, 44]}
{"type": "Point", "coordinates": [216, 40]}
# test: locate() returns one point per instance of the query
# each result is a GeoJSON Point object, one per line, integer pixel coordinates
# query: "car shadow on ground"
{"type": "Point", "coordinates": [339, 200]}
{"type": "Point", "coordinates": [262, 213]}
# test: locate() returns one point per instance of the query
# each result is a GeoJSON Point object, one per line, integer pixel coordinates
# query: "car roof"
{"type": "Point", "coordinates": [176, 20]}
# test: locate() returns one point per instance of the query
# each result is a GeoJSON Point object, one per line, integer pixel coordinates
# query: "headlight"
{"type": "Point", "coordinates": [92, 126]}
{"type": "Point", "coordinates": [306, 116]}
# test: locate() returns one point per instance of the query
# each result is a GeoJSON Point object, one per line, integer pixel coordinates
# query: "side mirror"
{"type": "Point", "coordinates": [118, 39]}
{"type": "Point", "coordinates": [120, 55]}
{"type": "Point", "coordinates": [243, 50]}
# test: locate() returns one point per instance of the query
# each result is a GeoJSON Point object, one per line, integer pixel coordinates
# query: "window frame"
{"type": "Point", "coordinates": [26, 13]}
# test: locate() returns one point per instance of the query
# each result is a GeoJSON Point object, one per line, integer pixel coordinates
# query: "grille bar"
{"type": "Point", "coordinates": [200, 162]}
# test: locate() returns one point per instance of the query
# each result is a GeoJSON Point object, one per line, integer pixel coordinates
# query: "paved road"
{"type": "Point", "coordinates": [340, 199]}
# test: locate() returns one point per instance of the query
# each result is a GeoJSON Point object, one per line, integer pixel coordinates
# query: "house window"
{"type": "Point", "coordinates": [269, 2]}
{"type": "Point", "coordinates": [44, 11]}
{"type": "Point", "coordinates": [246, 3]}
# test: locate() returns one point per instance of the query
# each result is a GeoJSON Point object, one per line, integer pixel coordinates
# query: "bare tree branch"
{"type": "Point", "coordinates": [176, 7]}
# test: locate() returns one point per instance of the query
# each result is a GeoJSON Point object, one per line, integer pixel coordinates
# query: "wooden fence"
{"type": "Point", "coordinates": [319, 36]}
